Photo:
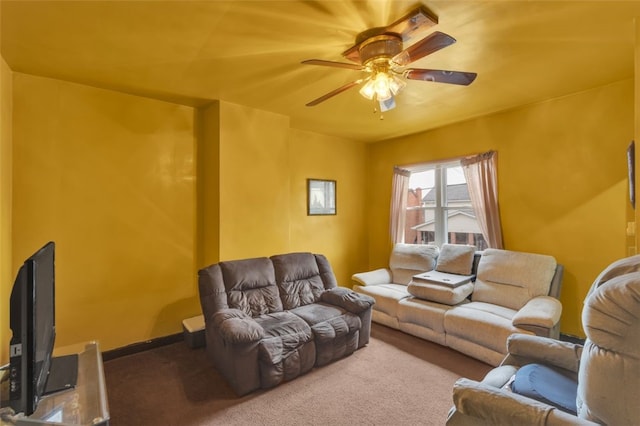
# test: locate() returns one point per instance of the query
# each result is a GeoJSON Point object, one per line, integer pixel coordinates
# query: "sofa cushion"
{"type": "Point", "coordinates": [423, 313]}
{"type": "Point", "coordinates": [298, 278]}
{"type": "Point", "coordinates": [547, 385]}
{"type": "Point", "coordinates": [440, 293]}
{"type": "Point", "coordinates": [317, 312]}
{"type": "Point", "coordinates": [327, 331]}
{"type": "Point", "coordinates": [251, 286]}
{"type": "Point", "coordinates": [335, 330]}
{"type": "Point", "coordinates": [484, 324]}
{"type": "Point", "coordinates": [408, 260]}
{"type": "Point", "coordinates": [456, 259]}
{"type": "Point", "coordinates": [284, 332]}
{"type": "Point", "coordinates": [511, 279]}
{"type": "Point", "coordinates": [385, 295]}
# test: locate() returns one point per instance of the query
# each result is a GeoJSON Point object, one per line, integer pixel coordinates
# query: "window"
{"type": "Point", "coordinates": [439, 208]}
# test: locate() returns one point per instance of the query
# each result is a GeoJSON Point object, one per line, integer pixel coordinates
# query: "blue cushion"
{"type": "Point", "coordinates": [546, 385]}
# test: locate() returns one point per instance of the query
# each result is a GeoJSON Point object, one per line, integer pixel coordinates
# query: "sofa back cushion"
{"type": "Point", "coordinates": [510, 279]}
{"type": "Point", "coordinates": [623, 266]}
{"type": "Point", "coordinates": [408, 260]}
{"type": "Point", "coordinates": [456, 259]}
{"type": "Point", "coordinates": [251, 286]}
{"type": "Point", "coordinates": [299, 278]}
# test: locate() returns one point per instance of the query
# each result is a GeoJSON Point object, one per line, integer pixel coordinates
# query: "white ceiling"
{"type": "Point", "coordinates": [249, 53]}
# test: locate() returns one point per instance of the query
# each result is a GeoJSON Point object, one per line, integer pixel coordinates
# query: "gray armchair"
{"type": "Point", "coordinates": [606, 370]}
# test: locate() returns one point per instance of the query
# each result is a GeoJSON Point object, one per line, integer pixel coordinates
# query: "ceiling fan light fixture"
{"type": "Point", "coordinates": [368, 89]}
{"type": "Point", "coordinates": [396, 84]}
{"type": "Point", "coordinates": [382, 86]}
{"type": "Point", "coordinates": [379, 52]}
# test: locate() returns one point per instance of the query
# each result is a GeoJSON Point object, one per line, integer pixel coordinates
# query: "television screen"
{"type": "Point", "coordinates": [32, 321]}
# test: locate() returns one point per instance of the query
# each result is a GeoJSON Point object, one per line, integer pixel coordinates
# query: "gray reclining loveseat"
{"type": "Point", "coordinates": [269, 320]}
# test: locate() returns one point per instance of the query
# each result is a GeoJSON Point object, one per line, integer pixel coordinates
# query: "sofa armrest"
{"type": "Point", "coordinates": [235, 326]}
{"type": "Point", "coordinates": [347, 299]}
{"type": "Point", "coordinates": [525, 349]}
{"type": "Point", "coordinates": [496, 406]}
{"type": "Point", "coordinates": [379, 276]}
{"type": "Point", "coordinates": [541, 311]}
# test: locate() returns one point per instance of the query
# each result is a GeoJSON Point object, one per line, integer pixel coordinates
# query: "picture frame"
{"type": "Point", "coordinates": [321, 197]}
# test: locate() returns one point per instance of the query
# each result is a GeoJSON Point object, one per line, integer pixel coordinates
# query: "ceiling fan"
{"type": "Point", "coordinates": [379, 53]}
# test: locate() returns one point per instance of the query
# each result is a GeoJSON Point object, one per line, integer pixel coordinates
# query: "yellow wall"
{"type": "Point", "coordinates": [132, 227]}
{"type": "Point", "coordinates": [110, 178]}
{"type": "Point", "coordinates": [6, 274]}
{"type": "Point", "coordinates": [254, 182]}
{"type": "Point", "coordinates": [253, 201]}
{"type": "Point", "coordinates": [208, 185]}
{"type": "Point", "coordinates": [342, 238]}
{"type": "Point", "coordinates": [561, 176]}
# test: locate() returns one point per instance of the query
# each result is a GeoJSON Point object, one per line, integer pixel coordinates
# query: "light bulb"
{"type": "Point", "coordinates": [396, 84]}
{"type": "Point", "coordinates": [382, 86]}
{"type": "Point", "coordinates": [368, 90]}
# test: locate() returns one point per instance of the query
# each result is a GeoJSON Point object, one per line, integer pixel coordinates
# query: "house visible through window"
{"type": "Point", "coordinates": [439, 208]}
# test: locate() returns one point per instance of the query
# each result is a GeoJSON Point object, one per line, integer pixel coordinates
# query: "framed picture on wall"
{"type": "Point", "coordinates": [321, 197]}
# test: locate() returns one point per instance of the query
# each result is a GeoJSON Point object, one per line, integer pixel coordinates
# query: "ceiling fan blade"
{"type": "Point", "coordinates": [332, 64]}
{"type": "Point", "coordinates": [432, 43]}
{"type": "Point", "coordinates": [413, 23]}
{"type": "Point", "coordinates": [334, 92]}
{"type": "Point", "coordinates": [441, 76]}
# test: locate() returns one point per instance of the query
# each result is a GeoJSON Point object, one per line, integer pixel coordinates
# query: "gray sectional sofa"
{"type": "Point", "coordinates": [504, 292]}
{"type": "Point", "coordinates": [269, 320]}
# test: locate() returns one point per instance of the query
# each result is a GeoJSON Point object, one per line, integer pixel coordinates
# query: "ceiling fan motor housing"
{"type": "Point", "coordinates": [381, 47]}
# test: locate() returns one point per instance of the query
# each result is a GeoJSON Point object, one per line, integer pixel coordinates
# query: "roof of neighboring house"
{"type": "Point", "coordinates": [457, 192]}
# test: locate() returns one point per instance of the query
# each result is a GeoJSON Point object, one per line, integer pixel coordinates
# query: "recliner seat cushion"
{"type": "Point", "coordinates": [335, 331]}
{"type": "Point", "coordinates": [482, 323]}
{"type": "Point", "coordinates": [287, 350]}
{"type": "Point", "coordinates": [317, 312]}
{"type": "Point", "coordinates": [547, 385]}
{"type": "Point", "coordinates": [386, 296]}
{"type": "Point", "coordinates": [284, 332]}
{"type": "Point", "coordinates": [327, 331]}
{"type": "Point", "coordinates": [423, 313]}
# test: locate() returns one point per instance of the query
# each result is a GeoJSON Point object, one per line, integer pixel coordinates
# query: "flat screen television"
{"type": "Point", "coordinates": [33, 326]}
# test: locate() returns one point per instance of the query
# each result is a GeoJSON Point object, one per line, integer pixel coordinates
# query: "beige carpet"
{"type": "Point", "coordinates": [396, 380]}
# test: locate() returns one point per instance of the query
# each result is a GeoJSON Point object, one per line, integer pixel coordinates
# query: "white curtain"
{"type": "Point", "coordinates": [480, 172]}
{"type": "Point", "coordinates": [398, 204]}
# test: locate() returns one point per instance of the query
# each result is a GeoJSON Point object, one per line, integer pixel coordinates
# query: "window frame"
{"type": "Point", "coordinates": [441, 207]}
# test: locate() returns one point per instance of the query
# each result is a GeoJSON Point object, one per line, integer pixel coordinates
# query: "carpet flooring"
{"type": "Point", "coordinates": [396, 379]}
